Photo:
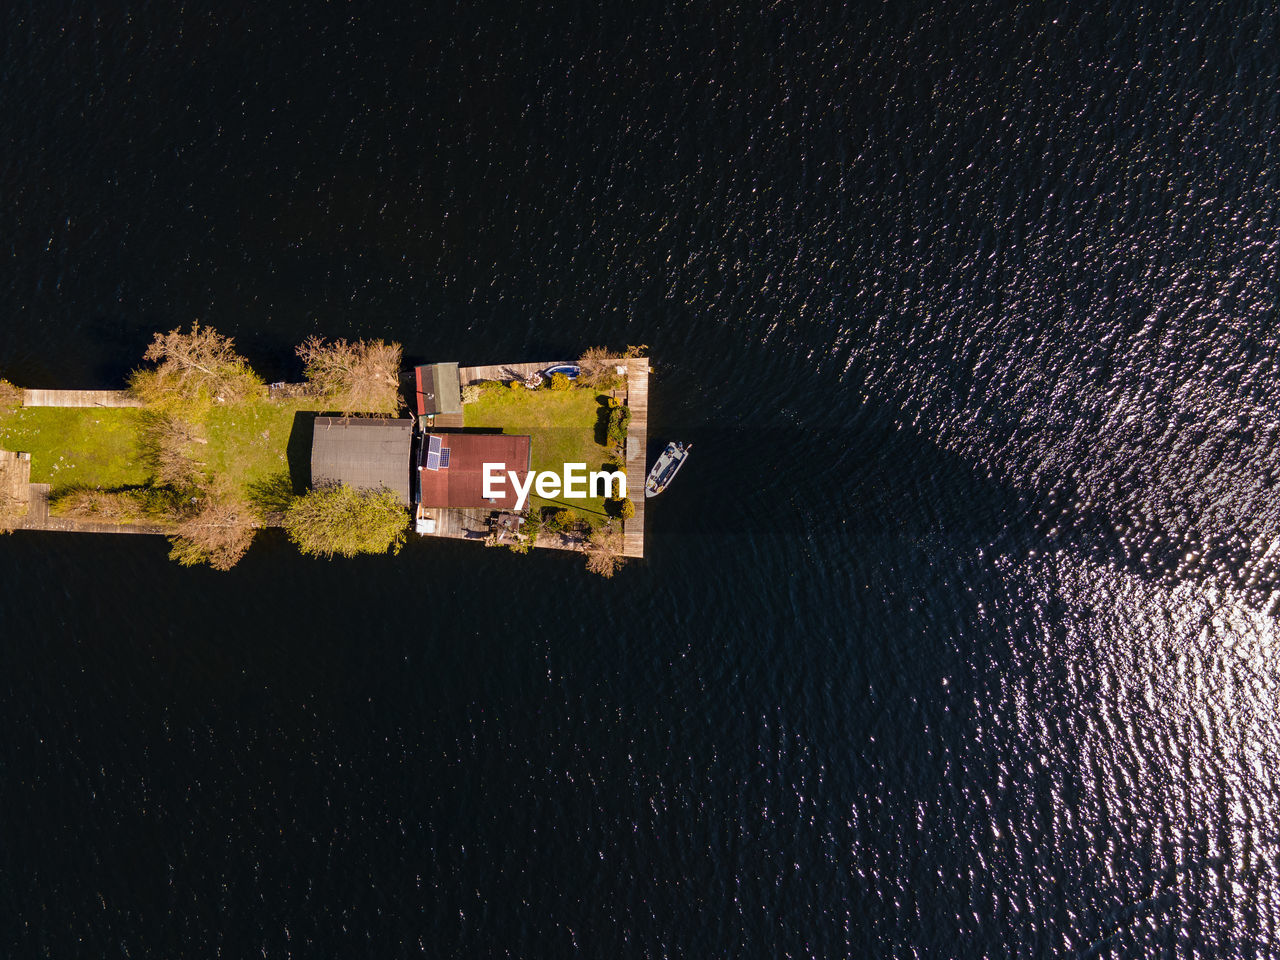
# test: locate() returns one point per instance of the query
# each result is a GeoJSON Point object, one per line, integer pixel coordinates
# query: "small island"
{"type": "Point", "coordinates": [350, 460]}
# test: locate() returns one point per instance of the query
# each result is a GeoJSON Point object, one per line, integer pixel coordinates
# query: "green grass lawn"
{"type": "Point", "coordinates": [95, 446]}
{"type": "Point", "coordinates": [255, 444]}
{"type": "Point", "coordinates": [561, 425]}
{"type": "Point", "coordinates": [248, 443]}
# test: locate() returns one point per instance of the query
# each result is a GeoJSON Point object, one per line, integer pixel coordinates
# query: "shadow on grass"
{"type": "Point", "coordinates": [603, 410]}
{"type": "Point", "coordinates": [298, 451]}
{"type": "Point", "coordinates": [573, 508]}
{"type": "Point", "coordinates": [271, 496]}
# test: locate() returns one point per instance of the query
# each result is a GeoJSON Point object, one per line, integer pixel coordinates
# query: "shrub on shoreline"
{"type": "Point", "coordinates": [604, 551]}
{"type": "Point", "coordinates": [339, 520]}
{"type": "Point", "coordinates": [218, 530]}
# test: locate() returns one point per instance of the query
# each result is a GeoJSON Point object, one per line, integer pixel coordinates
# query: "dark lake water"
{"type": "Point", "coordinates": [957, 636]}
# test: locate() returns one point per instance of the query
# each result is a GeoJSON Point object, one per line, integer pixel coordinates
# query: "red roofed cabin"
{"type": "Point", "coordinates": [451, 469]}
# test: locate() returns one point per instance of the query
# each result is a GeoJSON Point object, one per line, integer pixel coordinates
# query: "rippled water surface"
{"type": "Point", "coordinates": [957, 636]}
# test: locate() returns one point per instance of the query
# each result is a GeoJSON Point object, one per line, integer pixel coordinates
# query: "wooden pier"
{"type": "Point", "coordinates": [78, 398]}
{"type": "Point", "coordinates": [637, 442]}
{"type": "Point", "coordinates": [504, 371]}
{"type": "Point", "coordinates": [473, 525]}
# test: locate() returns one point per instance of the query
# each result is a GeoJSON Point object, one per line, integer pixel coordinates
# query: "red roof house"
{"type": "Point", "coordinates": [451, 469]}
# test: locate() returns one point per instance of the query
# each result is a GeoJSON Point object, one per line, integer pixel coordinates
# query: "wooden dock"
{"type": "Point", "coordinates": [445, 421]}
{"type": "Point", "coordinates": [78, 398]}
{"type": "Point", "coordinates": [504, 371]}
{"type": "Point", "coordinates": [15, 486]}
{"type": "Point", "coordinates": [473, 525]}
{"type": "Point", "coordinates": [637, 441]}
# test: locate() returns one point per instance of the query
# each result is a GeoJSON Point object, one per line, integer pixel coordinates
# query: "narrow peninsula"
{"type": "Point", "coordinates": [354, 458]}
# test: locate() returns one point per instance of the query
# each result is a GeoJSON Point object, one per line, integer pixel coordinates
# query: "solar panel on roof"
{"type": "Point", "coordinates": [433, 453]}
{"type": "Point", "coordinates": [444, 458]}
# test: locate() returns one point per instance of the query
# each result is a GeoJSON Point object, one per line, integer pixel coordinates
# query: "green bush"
{"type": "Point", "coordinates": [515, 385]}
{"type": "Point", "coordinates": [343, 521]}
{"type": "Point", "coordinates": [531, 527]}
{"type": "Point", "coordinates": [619, 420]}
{"type": "Point", "coordinates": [556, 519]}
{"type": "Point", "coordinates": [559, 381]}
{"type": "Point", "coordinates": [620, 507]}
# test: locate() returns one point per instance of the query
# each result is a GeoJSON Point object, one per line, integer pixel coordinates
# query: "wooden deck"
{"type": "Point", "coordinates": [15, 486]}
{"type": "Point", "coordinates": [637, 441]}
{"type": "Point", "coordinates": [445, 421]}
{"type": "Point", "coordinates": [473, 525]}
{"type": "Point", "coordinates": [78, 398]}
{"type": "Point", "coordinates": [504, 371]}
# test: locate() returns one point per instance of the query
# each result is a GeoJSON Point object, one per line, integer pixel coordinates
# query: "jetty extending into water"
{"type": "Point", "coordinates": [637, 439]}
{"type": "Point", "coordinates": [79, 398]}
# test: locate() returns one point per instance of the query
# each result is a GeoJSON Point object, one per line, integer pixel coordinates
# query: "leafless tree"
{"type": "Point", "coordinates": [596, 367]}
{"type": "Point", "coordinates": [167, 444]}
{"type": "Point", "coordinates": [359, 377]}
{"type": "Point", "coordinates": [218, 530]}
{"type": "Point", "coordinates": [10, 396]}
{"type": "Point", "coordinates": [604, 551]}
{"type": "Point", "coordinates": [200, 364]}
{"type": "Point", "coordinates": [103, 506]}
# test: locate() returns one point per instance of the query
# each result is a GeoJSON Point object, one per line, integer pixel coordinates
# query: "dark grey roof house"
{"type": "Point", "coordinates": [363, 452]}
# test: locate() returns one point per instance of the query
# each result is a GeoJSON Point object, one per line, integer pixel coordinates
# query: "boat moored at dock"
{"type": "Point", "coordinates": [667, 466]}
